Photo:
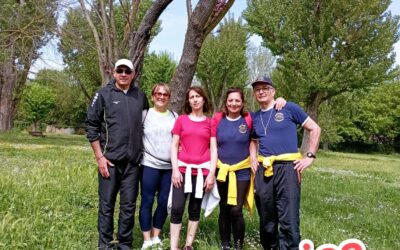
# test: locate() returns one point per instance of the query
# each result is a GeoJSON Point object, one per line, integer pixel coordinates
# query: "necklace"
{"type": "Point", "coordinates": [262, 122]}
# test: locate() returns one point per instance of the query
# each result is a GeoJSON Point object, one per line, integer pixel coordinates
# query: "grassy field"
{"type": "Point", "coordinates": [48, 198]}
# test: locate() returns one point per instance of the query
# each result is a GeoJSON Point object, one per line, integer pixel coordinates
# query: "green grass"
{"type": "Point", "coordinates": [48, 198]}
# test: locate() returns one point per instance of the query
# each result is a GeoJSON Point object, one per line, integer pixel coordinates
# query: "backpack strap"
{"type": "Point", "coordinates": [173, 113]}
{"type": "Point", "coordinates": [217, 118]}
{"type": "Point", "coordinates": [248, 120]}
{"type": "Point", "coordinates": [146, 111]}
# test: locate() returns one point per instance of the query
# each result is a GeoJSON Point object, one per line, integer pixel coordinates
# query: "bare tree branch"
{"type": "Point", "coordinates": [107, 46]}
{"type": "Point", "coordinates": [189, 9]}
{"type": "Point", "coordinates": [220, 10]}
{"type": "Point", "coordinates": [113, 33]}
{"type": "Point", "coordinates": [140, 40]}
{"type": "Point", "coordinates": [96, 38]}
{"type": "Point", "coordinates": [132, 12]}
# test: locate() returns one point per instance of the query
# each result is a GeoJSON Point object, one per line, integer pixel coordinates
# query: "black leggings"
{"type": "Point", "coordinates": [231, 217]}
{"type": "Point", "coordinates": [179, 201]}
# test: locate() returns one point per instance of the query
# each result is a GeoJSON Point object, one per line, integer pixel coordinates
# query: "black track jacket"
{"type": "Point", "coordinates": [115, 118]}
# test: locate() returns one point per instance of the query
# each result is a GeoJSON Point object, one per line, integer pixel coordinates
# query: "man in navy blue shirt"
{"type": "Point", "coordinates": [279, 165]}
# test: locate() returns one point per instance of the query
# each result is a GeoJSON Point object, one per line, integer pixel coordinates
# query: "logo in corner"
{"type": "Point", "coordinates": [350, 244]}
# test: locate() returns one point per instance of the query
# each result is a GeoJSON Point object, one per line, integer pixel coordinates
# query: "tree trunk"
{"type": "Point", "coordinates": [35, 126]}
{"type": "Point", "coordinates": [6, 101]}
{"type": "Point", "coordinates": [8, 79]}
{"type": "Point", "coordinates": [223, 93]}
{"type": "Point", "coordinates": [206, 15]}
{"type": "Point", "coordinates": [194, 39]}
{"type": "Point", "coordinates": [325, 146]}
{"type": "Point", "coordinates": [312, 111]}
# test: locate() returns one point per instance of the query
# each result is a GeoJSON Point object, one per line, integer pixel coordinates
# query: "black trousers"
{"type": "Point", "coordinates": [179, 198]}
{"type": "Point", "coordinates": [230, 218]}
{"type": "Point", "coordinates": [278, 204]}
{"type": "Point", "coordinates": [124, 178]}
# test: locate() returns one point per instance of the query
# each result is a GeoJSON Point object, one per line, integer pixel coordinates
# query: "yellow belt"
{"type": "Point", "coordinates": [224, 169]}
{"type": "Point", "coordinates": [268, 161]}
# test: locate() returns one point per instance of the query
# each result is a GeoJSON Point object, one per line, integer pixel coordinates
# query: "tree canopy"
{"type": "Point", "coordinates": [326, 48]}
{"type": "Point", "coordinates": [156, 68]}
{"type": "Point", "coordinates": [36, 104]}
{"type": "Point", "coordinates": [92, 39]}
{"type": "Point", "coordinates": [222, 63]}
{"type": "Point", "coordinates": [26, 26]}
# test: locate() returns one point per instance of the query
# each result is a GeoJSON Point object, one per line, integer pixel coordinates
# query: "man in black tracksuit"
{"type": "Point", "coordinates": [114, 129]}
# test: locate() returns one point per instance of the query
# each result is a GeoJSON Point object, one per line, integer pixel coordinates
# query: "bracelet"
{"type": "Point", "coordinates": [98, 158]}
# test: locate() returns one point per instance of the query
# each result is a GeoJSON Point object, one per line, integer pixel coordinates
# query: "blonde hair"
{"type": "Point", "coordinates": [159, 85]}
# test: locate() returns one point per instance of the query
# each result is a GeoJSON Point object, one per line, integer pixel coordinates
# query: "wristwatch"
{"type": "Point", "coordinates": [311, 155]}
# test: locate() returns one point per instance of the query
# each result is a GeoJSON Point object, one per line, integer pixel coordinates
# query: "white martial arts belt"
{"type": "Point", "coordinates": [199, 180]}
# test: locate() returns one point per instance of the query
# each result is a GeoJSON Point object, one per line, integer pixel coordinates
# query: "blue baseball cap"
{"type": "Point", "coordinates": [264, 79]}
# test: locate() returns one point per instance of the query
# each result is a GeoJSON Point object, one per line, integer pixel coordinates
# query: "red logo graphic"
{"type": "Point", "coordinates": [350, 244]}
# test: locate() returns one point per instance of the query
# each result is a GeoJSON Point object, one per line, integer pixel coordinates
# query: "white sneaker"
{"type": "Point", "coordinates": [157, 243]}
{"type": "Point", "coordinates": [147, 244]}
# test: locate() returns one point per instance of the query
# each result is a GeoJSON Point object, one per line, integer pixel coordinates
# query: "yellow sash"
{"type": "Point", "coordinates": [224, 169]}
{"type": "Point", "coordinates": [268, 161]}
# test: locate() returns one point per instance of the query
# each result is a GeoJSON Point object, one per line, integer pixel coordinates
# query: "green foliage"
{"type": "Point", "coordinates": [37, 102]}
{"type": "Point", "coordinates": [48, 198]}
{"type": "Point", "coordinates": [365, 120]}
{"type": "Point", "coordinates": [326, 48]}
{"type": "Point", "coordinates": [156, 68]}
{"type": "Point", "coordinates": [77, 47]}
{"type": "Point", "coordinates": [70, 105]}
{"type": "Point", "coordinates": [376, 118]}
{"type": "Point", "coordinates": [222, 62]}
{"type": "Point", "coordinates": [379, 113]}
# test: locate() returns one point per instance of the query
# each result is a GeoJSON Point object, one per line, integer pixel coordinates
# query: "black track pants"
{"type": "Point", "coordinates": [123, 179]}
{"type": "Point", "coordinates": [278, 204]}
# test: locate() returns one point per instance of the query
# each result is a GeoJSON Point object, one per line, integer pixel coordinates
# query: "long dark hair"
{"type": "Point", "coordinates": [187, 109]}
{"type": "Point", "coordinates": [231, 90]}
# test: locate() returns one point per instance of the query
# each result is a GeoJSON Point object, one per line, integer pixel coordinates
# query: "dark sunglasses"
{"type": "Point", "coordinates": [127, 71]}
{"type": "Point", "coordinates": [159, 94]}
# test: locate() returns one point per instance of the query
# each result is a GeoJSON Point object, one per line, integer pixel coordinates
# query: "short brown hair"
{"type": "Point", "coordinates": [187, 109]}
{"type": "Point", "coordinates": [159, 85]}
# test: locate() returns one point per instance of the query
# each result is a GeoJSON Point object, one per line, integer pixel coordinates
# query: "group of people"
{"type": "Point", "coordinates": [245, 157]}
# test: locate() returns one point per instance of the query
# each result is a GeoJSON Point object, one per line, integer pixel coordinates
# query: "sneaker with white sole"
{"type": "Point", "coordinates": [157, 243]}
{"type": "Point", "coordinates": [147, 244]}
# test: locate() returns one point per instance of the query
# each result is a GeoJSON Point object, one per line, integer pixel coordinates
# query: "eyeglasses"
{"type": "Point", "coordinates": [159, 94]}
{"type": "Point", "coordinates": [262, 89]}
{"type": "Point", "coordinates": [127, 71]}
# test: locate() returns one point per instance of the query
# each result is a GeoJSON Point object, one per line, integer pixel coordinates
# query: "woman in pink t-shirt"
{"type": "Point", "coordinates": [193, 166]}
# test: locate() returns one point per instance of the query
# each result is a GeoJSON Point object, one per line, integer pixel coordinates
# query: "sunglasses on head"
{"type": "Point", "coordinates": [120, 71]}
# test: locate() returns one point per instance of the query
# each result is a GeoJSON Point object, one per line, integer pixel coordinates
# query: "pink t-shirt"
{"type": "Point", "coordinates": [194, 140]}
